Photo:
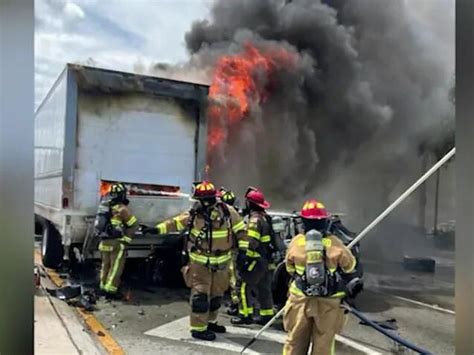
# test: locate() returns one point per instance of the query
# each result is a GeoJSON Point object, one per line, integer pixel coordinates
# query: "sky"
{"type": "Point", "coordinates": [129, 34]}
{"type": "Point", "coordinates": [115, 34]}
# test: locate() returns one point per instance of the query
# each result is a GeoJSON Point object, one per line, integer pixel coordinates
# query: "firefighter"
{"type": "Point", "coordinates": [228, 197]}
{"type": "Point", "coordinates": [314, 259]}
{"type": "Point", "coordinates": [214, 228]}
{"type": "Point", "coordinates": [254, 260]}
{"type": "Point", "coordinates": [115, 226]}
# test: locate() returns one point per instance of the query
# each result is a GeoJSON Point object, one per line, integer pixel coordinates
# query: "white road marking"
{"type": "Point", "coordinates": [431, 306]}
{"type": "Point", "coordinates": [179, 330]}
{"type": "Point", "coordinates": [358, 346]}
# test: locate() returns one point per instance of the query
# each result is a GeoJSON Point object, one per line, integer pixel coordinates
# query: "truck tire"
{"type": "Point", "coordinates": [281, 280]}
{"type": "Point", "coordinates": [52, 251]}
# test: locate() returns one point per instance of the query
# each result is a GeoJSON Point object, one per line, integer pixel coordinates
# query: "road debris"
{"type": "Point", "coordinates": [422, 264]}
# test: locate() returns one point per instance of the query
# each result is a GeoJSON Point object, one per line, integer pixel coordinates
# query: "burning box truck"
{"type": "Point", "coordinates": [99, 126]}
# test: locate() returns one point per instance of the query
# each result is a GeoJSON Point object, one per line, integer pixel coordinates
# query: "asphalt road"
{"type": "Point", "coordinates": [162, 314]}
{"type": "Point", "coordinates": [154, 319]}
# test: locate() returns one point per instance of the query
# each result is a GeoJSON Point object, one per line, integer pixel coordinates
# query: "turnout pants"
{"type": "Point", "coordinates": [256, 285]}
{"type": "Point", "coordinates": [207, 289]}
{"type": "Point", "coordinates": [312, 320]}
{"type": "Point", "coordinates": [113, 254]}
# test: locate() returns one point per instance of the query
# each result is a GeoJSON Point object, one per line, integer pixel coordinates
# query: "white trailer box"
{"type": "Point", "coordinates": [97, 125]}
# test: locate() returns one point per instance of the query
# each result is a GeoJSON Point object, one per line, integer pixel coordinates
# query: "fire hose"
{"type": "Point", "coordinates": [362, 234]}
{"type": "Point", "coordinates": [385, 332]}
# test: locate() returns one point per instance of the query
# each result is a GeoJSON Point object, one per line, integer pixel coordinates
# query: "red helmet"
{"type": "Point", "coordinates": [256, 196]}
{"type": "Point", "coordinates": [204, 190]}
{"type": "Point", "coordinates": [313, 209]}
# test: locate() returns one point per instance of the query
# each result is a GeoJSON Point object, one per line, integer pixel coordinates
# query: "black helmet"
{"type": "Point", "coordinates": [118, 192]}
{"type": "Point", "coordinates": [227, 196]}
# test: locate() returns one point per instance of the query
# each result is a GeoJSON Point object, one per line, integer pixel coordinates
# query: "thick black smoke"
{"type": "Point", "coordinates": [370, 87]}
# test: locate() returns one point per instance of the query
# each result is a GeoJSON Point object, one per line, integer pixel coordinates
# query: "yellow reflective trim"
{"type": "Point", "coordinates": [126, 239]}
{"type": "Point", "coordinates": [253, 234]}
{"type": "Point", "coordinates": [238, 226]}
{"type": "Point", "coordinates": [252, 254]}
{"type": "Point", "coordinates": [198, 328]}
{"type": "Point", "coordinates": [266, 312]}
{"type": "Point", "coordinates": [106, 248]}
{"type": "Point", "coordinates": [161, 228]}
{"type": "Point", "coordinates": [199, 258]}
{"type": "Point", "coordinates": [220, 234]}
{"type": "Point", "coordinates": [252, 265]}
{"type": "Point", "coordinates": [244, 308]}
{"type": "Point", "coordinates": [295, 290]}
{"type": "Point", "coordinates": [353, 266]}
{"type": "Point", "coordinates": [338, 294]}
{"type": "Point", "coordinates": [332, 270]}
{"type": "Point", "coordinates": [327, 242]}
{"type": "Point", "coordinates": [215, 235]}
{"type": "Point", "coordinates": [246, 313]}
{"type": "Point", "coordinates": [115, 267]}
{"type": "Point", "coordinates": [290, 268]}
{"type": "Point", "coordinates": [243, 244]}
{"type": "Point", "coordinates": [115, 221]}
{"type": "Point", "coordinates": [110, 288]}
{"type": "Point", "coordinates": [132, 220]}
{"type": "Point", "coordinates": [301, 242]}
{"type": "Point", "coordinates": [266, 239]}
{"type": "Point", "coordinates": [214, 260]}
{"type": "Point", "coordinates": [179, 224]}
{"type": "Point", "coordinates": [300, 269]}
{"type": "Point", "coordinates": [313, 256]}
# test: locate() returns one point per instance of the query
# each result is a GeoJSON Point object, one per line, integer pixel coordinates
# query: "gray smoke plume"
{"type": "Point", "coordinates": [369, 86]}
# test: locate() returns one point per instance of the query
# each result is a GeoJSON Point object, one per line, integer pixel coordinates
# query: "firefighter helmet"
{"type": "Point", "coordinates": [313, 209]}
{"type": "Point", "coordinates": [227, 196]}
{"type": "Point", "coordinates": [204, 190]}
{"type": "Point", "coordinates": [117, 188]}
{"type": "Point", "coordinates": [256, 197]}
{"type": "Point", "coordinates": [118, 192]}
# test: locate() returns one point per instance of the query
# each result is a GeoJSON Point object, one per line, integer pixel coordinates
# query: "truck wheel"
{"type": "Point", "coordinates": [280, 283]}
{"type": "Point", "coordinates": [52, 251]}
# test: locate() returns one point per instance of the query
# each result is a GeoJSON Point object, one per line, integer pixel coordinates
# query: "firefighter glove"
{"type": "Point", "coordinates": [354, 287]}
{"type": "Point", "coordinates": [242, 260]}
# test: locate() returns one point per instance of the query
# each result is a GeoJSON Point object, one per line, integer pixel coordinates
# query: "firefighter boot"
{"type": "Point", "coordinates": [203, 335]}
{"type": "Point", "coordinates": [262, 320]}
{"type": "Point", "coordinates": [216, 328]}
{"type": "Point", "coordinates": [240, 320]}
{"type": "Point", "coordinates": [233, 309]}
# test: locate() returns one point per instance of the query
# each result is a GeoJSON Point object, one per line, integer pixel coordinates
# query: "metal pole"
{"type": "Point", "coordinates": [435, 221]}
{"type": "Point", "coordinates": [265, 327]}
{"type": "Point", "coordinates": [403, 197]}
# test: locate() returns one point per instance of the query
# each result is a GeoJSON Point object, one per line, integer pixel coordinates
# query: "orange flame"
{"type": "Point", "coordinates": [239, 82]}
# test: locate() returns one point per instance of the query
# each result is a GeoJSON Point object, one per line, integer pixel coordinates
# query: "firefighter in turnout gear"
{"type": "Point", "coordinates": [214, 228]}
{"type": "Point", "coordinates": [228, 197]}
{"type": "Point", "coordinates": [115, 226]}
{"type": "Point", "coordinates": [315, 259]}
{"type": "Point", "coordinates": [254, 260]}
